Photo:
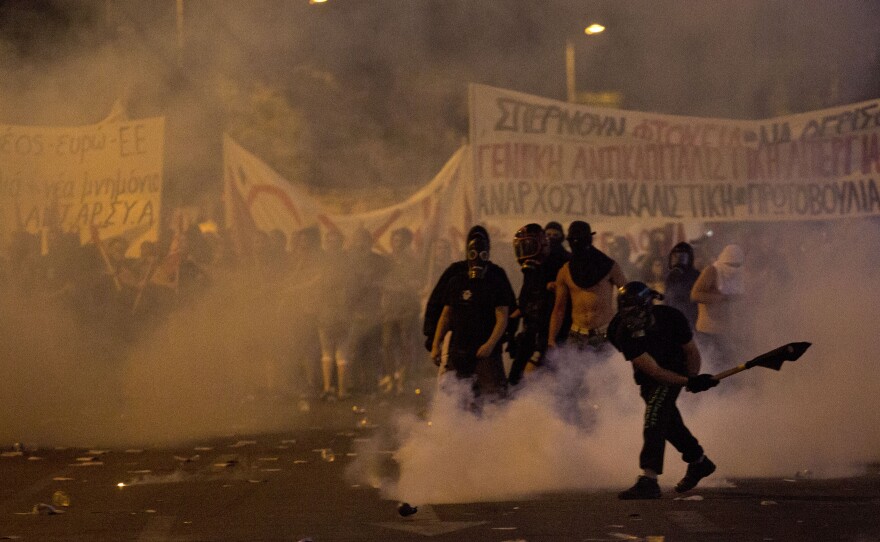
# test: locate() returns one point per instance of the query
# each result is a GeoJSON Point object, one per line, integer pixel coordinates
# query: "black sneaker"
{"type": "Point", "coordinates": [695, 473]}
{"type": "Point", "coordinates": [645, 488]}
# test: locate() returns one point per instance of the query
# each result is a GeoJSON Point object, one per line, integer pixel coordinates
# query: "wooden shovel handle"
{"type": "Point", "coordinates": [729, 372]}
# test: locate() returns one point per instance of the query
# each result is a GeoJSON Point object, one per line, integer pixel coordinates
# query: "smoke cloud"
{"type": "Point", "coordinates": [813, 418]}
{"type": "Point", "coordinates": [380, 89]}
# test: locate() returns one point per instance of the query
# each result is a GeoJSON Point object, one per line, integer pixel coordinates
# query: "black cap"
{"type": "Point", "coordinates": [580, 229]}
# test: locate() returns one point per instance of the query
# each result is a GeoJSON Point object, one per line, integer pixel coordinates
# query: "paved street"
{"type": "Point", "coordinates": [294, 486]}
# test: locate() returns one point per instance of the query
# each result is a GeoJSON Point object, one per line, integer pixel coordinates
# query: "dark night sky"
{"type": "Point", "coordinates": [385, 80]}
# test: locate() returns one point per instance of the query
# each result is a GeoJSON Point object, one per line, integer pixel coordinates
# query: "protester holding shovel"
{"type": "Point", "coordinates": [659, 343]}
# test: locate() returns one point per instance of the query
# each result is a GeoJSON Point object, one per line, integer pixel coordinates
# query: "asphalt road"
{"type": "Point", "coordinates": [293, 486]}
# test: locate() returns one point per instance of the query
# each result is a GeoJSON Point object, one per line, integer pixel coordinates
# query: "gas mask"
{"type": "Point", "coordinates": [634, 302]}
{"type": "Point", "coordinates": [681, 257]}
{"type": "Point", "coordinates": [529, 245]}
{"type": "Point", "coordinates": [477, 252]}
{"type": "Point", "coordinates": [477, 258]}
{"type": "Point", "coordinates": [679, 260]}
{"type": "Point", "coordinates": [636, 320]}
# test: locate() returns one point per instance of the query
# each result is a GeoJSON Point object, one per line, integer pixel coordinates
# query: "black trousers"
{"type": "Point", "coordinates": [487, 373]}
{"type": "Point", "coordinates": [527, 343]}
{"type": "Point", "coordinates": [663, 423]}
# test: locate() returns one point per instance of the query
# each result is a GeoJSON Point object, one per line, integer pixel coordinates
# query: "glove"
{"type": "Point", "coordinates": [700, 383]}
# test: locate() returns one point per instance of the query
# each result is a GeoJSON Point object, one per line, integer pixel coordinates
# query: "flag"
{"type": "Point", "coordinates": [167, 271]}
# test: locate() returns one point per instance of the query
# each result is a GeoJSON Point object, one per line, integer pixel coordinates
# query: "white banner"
{"type": "Point", "coordinates": [536, 159]}
{"type": "Point", "coordinates": [107, 175]}
{"type": "Point", "coordinates": [440, 210]}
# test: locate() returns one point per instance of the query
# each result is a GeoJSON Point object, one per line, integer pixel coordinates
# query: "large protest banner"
{"type": "Point", "coordinates": [106, 176]}
{"type": "Point", "coordinates": [540, 159]}
{"type": "Point", "coordinates": [257, 197]}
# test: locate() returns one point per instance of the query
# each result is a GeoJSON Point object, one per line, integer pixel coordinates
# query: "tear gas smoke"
{"type": "Point", "coordinates": [67, 382]}
{"type": "Point", "coordinates": [815, 415]}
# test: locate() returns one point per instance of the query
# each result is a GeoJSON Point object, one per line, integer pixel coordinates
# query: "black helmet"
{"type": "Point", "coordinates": [529, 243]}
{"type": "Point", "coordinates": [477, 252]}
{"type": "Point", "coordinates": [634, 301]}
{"type": "Point", "coordinates": [636, 294]}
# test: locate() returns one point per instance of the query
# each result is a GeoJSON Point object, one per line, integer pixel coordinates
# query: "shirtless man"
{"type": "Point", "coordinates": [589, 281]}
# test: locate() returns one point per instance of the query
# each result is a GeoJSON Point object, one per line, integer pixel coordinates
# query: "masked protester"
{"type": "Point", "coordinates": [557, 256]}
{"type": "Point", "coordinates": [587, 283]}
{"type": "Point", "coordinates": [476, 305]}
{"type": "Point", "coordinates": [658, 341]}
{"type": "Point", "coordinates": [680, 280]}
{"type": "Point", "coordinates": [717, 292]}
{"type": "Point", "coordinates": [535, 301]}
{"type": "Point", "coordinates": [436, 300]}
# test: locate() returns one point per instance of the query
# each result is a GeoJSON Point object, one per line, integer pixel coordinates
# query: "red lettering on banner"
{"type": "Point", "coordinates": [519, 161]}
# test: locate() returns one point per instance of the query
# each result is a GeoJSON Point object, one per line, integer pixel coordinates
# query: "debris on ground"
{"type": "Point", "coordinates": [405, 509]}
{"type": "Point", "coordinates": [43, 509]}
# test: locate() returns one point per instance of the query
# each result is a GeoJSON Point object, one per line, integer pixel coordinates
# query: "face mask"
{"type": "Point", "coordinates": [528, 252]}
{"type": "Point", "coordinates": [554, 238]}
{"type": "Point", "coordinates": [580, 244]}
{"type": "Point", "coordinates": [636, 320]}
{"type": "Point", "coordinates": [679, 259]}
{"type": "Point", "coordinates": [477, 258]}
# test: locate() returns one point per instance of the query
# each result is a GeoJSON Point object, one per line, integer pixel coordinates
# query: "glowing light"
{"type": "Point", "coordinates": [317, 1]}
{"type": "Point", "coordinates": [594, 28]}
{"type": "Point", "coordinates": [418, 391]}
{"type": "Point", "coordinates": [120, 485]}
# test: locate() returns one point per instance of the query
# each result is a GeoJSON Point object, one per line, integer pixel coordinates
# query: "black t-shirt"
{"type": "Point", "coordinates": [472, 304]}
{"type": "Point", "coordinates": [535, 300]}
{"type": "Point", "coordinates": [663, 340]}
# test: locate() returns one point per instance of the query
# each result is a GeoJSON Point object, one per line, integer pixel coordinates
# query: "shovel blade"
{"type": "Point", "coordinates": [775, 358]}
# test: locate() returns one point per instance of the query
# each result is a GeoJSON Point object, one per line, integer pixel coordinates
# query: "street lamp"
{"type": "Point", "coordinates": [592, 30]}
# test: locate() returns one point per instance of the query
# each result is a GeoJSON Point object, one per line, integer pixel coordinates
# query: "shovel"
{"type": "Point", "coordinates": [771, 360]}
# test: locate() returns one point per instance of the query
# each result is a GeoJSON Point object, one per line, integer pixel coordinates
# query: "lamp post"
{"type": "Point", "coordinates": [592, 30]}
{"type": "Point", "coordinates": [179, 20]}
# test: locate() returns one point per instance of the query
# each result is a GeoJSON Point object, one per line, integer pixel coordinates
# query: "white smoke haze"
{"type": "Point", "coordinates": [385, 108]}
{"type": "Point", "coordinates": [204, 372]}
{"type": "Point", "coordinates": [63, 382]}
{"type": "Point", "coordinates": [519, 448]}
{"type": "Point", "coordinates": [813, 418]}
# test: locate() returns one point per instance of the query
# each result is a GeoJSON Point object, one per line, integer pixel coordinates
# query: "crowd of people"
{"type": "Point", "coordinates": [663, 317]}
{"type": "Point", "coordinates": [339, 316]}
{"type": "Point", "coordinates": [343, 317]}
{"type": "Point", "coordinates": [355, 311]}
